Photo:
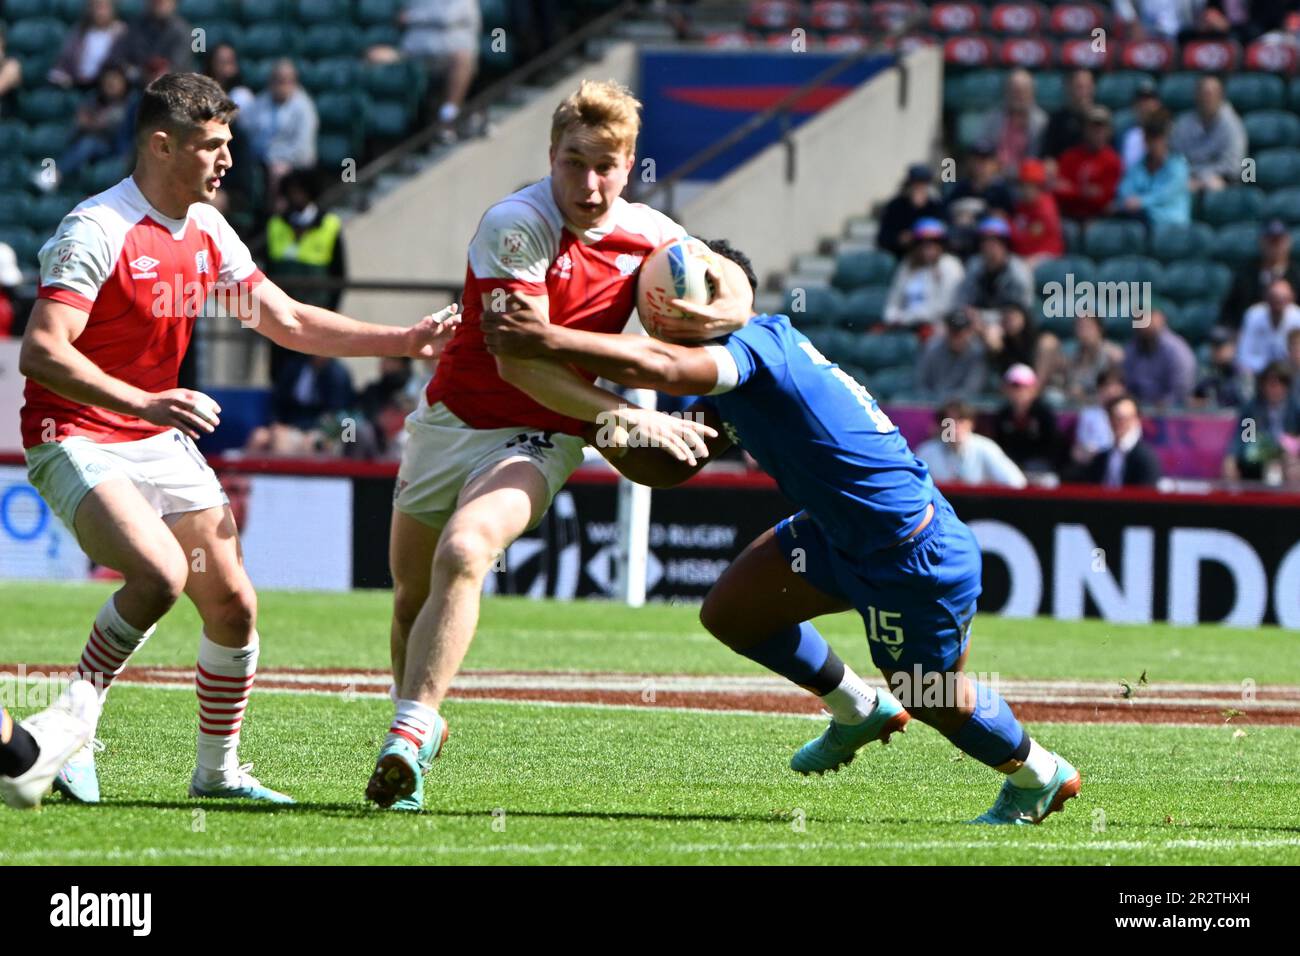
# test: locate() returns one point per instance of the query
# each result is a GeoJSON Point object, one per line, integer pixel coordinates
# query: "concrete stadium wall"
{"type": "Point", "coordinates": [848, 157]}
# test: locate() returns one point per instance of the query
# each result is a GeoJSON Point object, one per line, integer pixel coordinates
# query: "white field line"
{"type": "Point", "coordinates": [240, 852]}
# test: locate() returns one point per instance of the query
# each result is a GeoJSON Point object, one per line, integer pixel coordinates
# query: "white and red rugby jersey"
{"type": "Point", "coordinates": [143, 278]}
{"type": "Point", "coordinates": [522, 245]}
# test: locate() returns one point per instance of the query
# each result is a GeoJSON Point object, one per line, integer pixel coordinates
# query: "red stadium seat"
{"type": "Point", "coordinates": [729, 40]}
{"type": "Point", "coordinates": [1017, 18]}
{"type": "Point", "coordinates": [1154, 56]}
{"type": "Point", "coordinates": [1211, 55]}
{"type": "Point", "coordinates": [847, 42]}
{"type": "Point", "coordinates": [1272, 56]}
{"type": "Point", "coordinates": [956, 17]}
{"type": "Point", "coordinates": [838, 16]}
{"type": "Point", "coordinates": [1032, 53]}
{"type": "Point", "coordinates": [890, 15]}
{"type": "Point", "coordinates": [968, 51]}
{"type": "Point", "coordinates": [1080, 53]}
{"type": "Point", "coordinates": [1076, 19]}
{"type": "Point", "coordinates": [774, 15]}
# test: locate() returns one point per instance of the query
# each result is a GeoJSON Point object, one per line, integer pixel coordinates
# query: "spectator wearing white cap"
{"type": "Point", "coordinates": [925, 283]}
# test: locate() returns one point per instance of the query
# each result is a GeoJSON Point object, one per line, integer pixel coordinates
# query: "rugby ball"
{"type": "Point", "coordinates": [676, 270]}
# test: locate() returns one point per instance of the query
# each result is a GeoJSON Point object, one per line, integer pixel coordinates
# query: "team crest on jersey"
{"type": "Point", "coordinates": [201, 262]}
{"type": "Point", "coordinates": [627, 263]}
{"type": "Point", "coordinates": [142, 267]}
{"type": "Point", "coordinates": [563, 267]}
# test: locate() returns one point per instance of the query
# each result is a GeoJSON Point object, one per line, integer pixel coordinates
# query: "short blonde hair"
{"type": "Point", "coordinates": [605, 107]}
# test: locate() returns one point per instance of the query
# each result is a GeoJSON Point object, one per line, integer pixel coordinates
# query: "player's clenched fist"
{"type": "Point", "coordinates": [189, 411]}
{"type": "Point", "coordinates": [429, 335]}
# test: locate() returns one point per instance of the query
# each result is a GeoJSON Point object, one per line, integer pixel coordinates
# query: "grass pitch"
{"type": "Point", "coordinates": [523, 783]}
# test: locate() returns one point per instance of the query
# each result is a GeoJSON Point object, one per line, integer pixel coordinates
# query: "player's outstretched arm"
{"type": "Point", "coordinates": [316, 331]}
{"type": "Point", "coordinates": [49, 358]}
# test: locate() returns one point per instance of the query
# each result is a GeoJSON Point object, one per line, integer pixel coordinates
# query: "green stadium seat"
{"type": "Point", "coordinates": [1275, 168]}
{"type": "Point", "coordinates": [1266, 129]}
{"type": "Point", "coordinates": [495, 13]}
{"type": "Point", "coordinates": [835, 344]}
{"type": "Point", "coordinates": [388, 118]}
{"type": "Point", "coordinates": [99, 176]}
{"type": "Point", "coordinates": [330, 40]}
{"type": "Point", "coordinates": [39, 35]}
{"type": "Point", "coordinates": [262, 11]}
{"type": "Point", "coordinates": [267, 40]}
{"type": "Point", "coordinates": [129, 10]}
{"type": "Point", "coordinates": [47, 211]}
{"type": "Point", "coordinates": [403, 81]}
{"type": "Point", "coordinates": [1130, 269]}
{"type": "Point", "coordinates": [864, 307]}
{"type": "Point", "coordinates": [1178, 91]}
{"type": "Point", "coordinates": [1196, 280]}
{"type": "Point", "coordinates": [47, 140]}
{"type": "Point", "coordinates": [890, 383]}
{"type": "Point", "coordinates": [495, 62]}
{"type": "Point", "coordinates": [256, 72]}
{"type": "Point", "coordinates": [1195, 320]}
{"type": "Point", "coordinates": [322, 11]}
{"type": "Point", "coordinates": [886, 350]}
{"type": "Point", "coordinates": [333, 148]}
{"type": "Point", "coordinates": [342, 112]}
{"type": "Point", "coordinates": [970, 127]}
{"type": "Point", "coordinates": [16, 10]}
{"type": "Point", "coordinates": [1049, 90]}
{"type": "Point", "coordinates": [1169, 242]}
{"type": "Point", "coordinates": [1061, 325]}
{"type": "Point", "coordinates": [70, 11]}
{"type": "Point", "coordinates": [370, 12]}
{"type": "Point", "coordinates": [1284, 204]}
{"type": "Point", "coordinates": [1056, 270]}
{"type": "Point", "coordinates": [12, 136]}
{"type": "Point", "coordinates": [216, 32]}
{"type": "Point", "coordinates": [1072, 233]}
{"type": "Point", "coordinates": [25, 244]}
{"type": "Point", "coordinates": [382, 34]}
{"type": "Point", "coordinates": [1234, 204]}
{"type": "Point", "coordinates": [1255, 91]}
{"type": "Point", "coordinates": [1107, 238]}
{"type": "Point", "coordinates": [813, 305]}
{"type": "Point", "coordinates": [975, 90]}
{"type": "Point", "coordinates": [199, 12]}
{"type": "Point", "coordinates": [334, 73]}
{"type": "Point", "coordinates": [47, 104]}
{"type": "Point", "coordinates": [37, 65]}
{"type": "Point", "coordinates": [869, 267]}
{"type": "Point", "coordinates": [15, 207]}
{"type": "Point", "coordinates": [1237, 243]}
{"type": "Point", "coordinates": [1116, 89]}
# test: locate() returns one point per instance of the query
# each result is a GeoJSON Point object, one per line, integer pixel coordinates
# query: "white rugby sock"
{"type": "Point", "coordinates": [1038, 769]}
{"type": "Point", "coordinates": [413, 721]}
{"type": "Point", "coordinates": [853, 701]}
{"type": "Point", "coordinates": [223, 679]}
{"type": "Point", "coordinates": [111, 642]}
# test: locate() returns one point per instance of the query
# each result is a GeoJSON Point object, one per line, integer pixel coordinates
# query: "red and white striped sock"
{"type": "Point", "coordinates": [112, 641]}
{"type": "Point", "coordinates": [414, 722]}
{"type": "Point", "coordinates": [222, 680]}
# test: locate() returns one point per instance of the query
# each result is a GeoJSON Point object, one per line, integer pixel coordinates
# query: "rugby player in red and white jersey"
{"type": "Point", "coordinates": [484, 460]}
{"type": "Point", "coordinates": [109, 436]}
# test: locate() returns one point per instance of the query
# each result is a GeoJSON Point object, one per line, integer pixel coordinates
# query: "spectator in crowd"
{"type": "Point", "coordinates": [1018, 340]}
{"type": "Point", "coordinates": [387, 401]}
{"type": "Point", "coordinates": [10, 277]}
{"type": "Point", "coordinates": [1066, 127]}
{"type": "Point", "coordinates": [982, 193]}
{"type": "Point", "coordinates": [995, 277]}
{"type": "Point", "coordinates": [223, 66]}
{"type": "Point", "coordinates": [1223, 385]}
{"type": "Point", "coordinates": [1265, 444]}
{"type": "Point", "coordinates": [1074, 370]}
{"type": "Point", "coordinates": [1017, 127]}
{"type": "Point", "coordinates": [444, 35]}
{"type": "Point", "coordinates": [1293, 360]}
{"type": "Point", "coordinates": [11, 77]}
{"type": "Point", "coordinates": [1156, 189]}
{"type": "Point", "coordinates": [1251, 282]}
{"type": "Point", "coordinates": [1092, 432]}
{"type": "Point", "coordinates": [1133, 141]}
{"type": "Point", "coordinates": [283, 122]}
{"type": "Point", "coordinates": [157, 42]}
{"type": "Point", "coordinates": [1265, 326]}
{"type": "Point", "coordinates": [1024, 426]}
{"type": "Point", "coordinates": [1211, 138]}
{"type": "Point", "coordinates": [99, 117]}
{"type": "Point", "coordinates": [926, 280]}
{"type": "Point", "coordinates": [914, 201]}
{"type": "Point", "coordinates": [953, 364]}
{"type": "Point", "coordinates": [1130, 461]}
{"type": "Point", "coordinates": [87, 46]}
{"type": "Point", "coordinates": [1036, 223]}
{"type": "Point", "coordinates": [958, 454]}
{"type": "Point", "coordinates": [309, 397]}
{"type": "Point", "coordinates": [1159, 365]}
{"type": "Point", "coordinates": [1164, 19]}
{"type": "Point", "coordinates": [1088, 174]}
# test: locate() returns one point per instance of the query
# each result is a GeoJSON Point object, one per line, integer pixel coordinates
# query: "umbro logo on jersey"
{"type": "Point", "coordinates": [142, 267]}
{"type": "Point", "coordinates": [201, 262]}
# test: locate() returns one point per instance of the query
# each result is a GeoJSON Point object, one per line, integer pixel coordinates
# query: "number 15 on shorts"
{"type": "Point", "coordinates": [881, 627]}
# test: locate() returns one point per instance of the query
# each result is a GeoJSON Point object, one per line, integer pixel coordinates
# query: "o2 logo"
{"type": "Point", "coordinates": [24, 516]}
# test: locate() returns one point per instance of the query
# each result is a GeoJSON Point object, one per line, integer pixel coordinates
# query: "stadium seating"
{"type": "Point", "coordinates": [1269, 128]}
{"type": "Point", "coordinates": [1234, 204]}
{"type": "Point", "coordinates": [854, 269]}
{"type": "Point", "coordinates": [864, 307]}
{"type": "Point", "coordinates": [1170, 242]}
{"type": "Point", "coordinates": [1107, 238]}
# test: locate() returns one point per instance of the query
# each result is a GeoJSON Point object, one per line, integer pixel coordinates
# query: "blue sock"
{"type": "Point", "coordinates": [992, 735]}
{"type": "Point", "coordinates": [801, 655]}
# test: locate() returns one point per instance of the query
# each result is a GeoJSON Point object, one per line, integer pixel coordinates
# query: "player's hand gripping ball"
{"type": "Point", "coordinates": [679, 269]}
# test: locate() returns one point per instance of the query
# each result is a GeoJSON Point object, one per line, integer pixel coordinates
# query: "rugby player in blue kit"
{"type": "Point", "coordinates": [874, 534]}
